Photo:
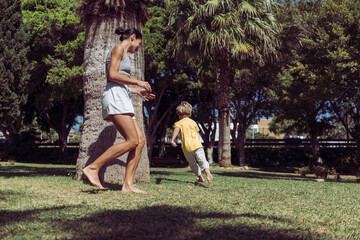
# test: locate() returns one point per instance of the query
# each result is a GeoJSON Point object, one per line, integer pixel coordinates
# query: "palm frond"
{"type": "Point", "coordinates": [209, 8]}
{"type": "Point", "coordinates": [111, 8]}
{"type": "Point", "coordinates": [248, 9]}
{"type": "Point", "coordinates": [245, 28]}
{"type": "Point", "coordinates": [224, 20]}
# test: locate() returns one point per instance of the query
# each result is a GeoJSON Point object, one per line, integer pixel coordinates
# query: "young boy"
{"type": "Point", "coordinates": [190, 142]}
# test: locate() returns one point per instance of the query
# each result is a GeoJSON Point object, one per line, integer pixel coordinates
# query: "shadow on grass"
{"type": "Point", "coordinates": [25, 171]}
{"type": "Point", "coordinates": [107, 186]}
{"type": "Point", "coordinates": [160, 222]}
{"type": "Point", "coordinates": [159, 180]}
{"type": "Point", "coordinates": [8, 217]}
{"type": "Point", "coordinates": [167, 222]}
{"type": "Point", "coordinates": [155, 172]}
{"type": "Point", "coordinates": [246, 174]}
{"type": "Point", "coordinates": [261, 175]}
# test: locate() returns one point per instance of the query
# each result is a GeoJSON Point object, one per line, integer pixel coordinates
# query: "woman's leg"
{"type": "Point", "coordinates": [125, 125]}
{"type": "Point", "coordinates": [133, 162]}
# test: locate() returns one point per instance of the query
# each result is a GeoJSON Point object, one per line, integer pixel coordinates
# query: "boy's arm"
{"type": "Point", "coordinates": [174, 135]}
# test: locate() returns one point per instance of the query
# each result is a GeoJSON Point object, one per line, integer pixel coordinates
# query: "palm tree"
{"type": "Point", "coordinates": [220, 31]}
{"type": "Point", "coordinates": [101, 18]}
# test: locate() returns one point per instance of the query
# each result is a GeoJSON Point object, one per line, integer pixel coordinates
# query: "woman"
{"type": "Point", "coordinates": [117, 108]}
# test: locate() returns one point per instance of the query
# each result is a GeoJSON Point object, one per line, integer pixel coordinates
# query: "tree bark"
{"type": "Point", "coordinates": [221, 137]}
{"type": "Point", "coordinates": [225, 160]}
{"type": "Point", "coordinates": [98, 135]}
{"type": "Point", "coordinates": [315, 147]}
{"type": "Point", "coordinates": [209, 153]}
{"type": "Point", "coordinates": [358, 154]}
{"type": "Point", "coordinates": [223, 105]}
{"type": "Point", "coordinates": [241, 147]}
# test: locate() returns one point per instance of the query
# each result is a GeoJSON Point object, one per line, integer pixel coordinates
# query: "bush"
{"type": "Point", "coordinates": [22, 147]}
{"type": "Point", "coordinates": [303, 171]}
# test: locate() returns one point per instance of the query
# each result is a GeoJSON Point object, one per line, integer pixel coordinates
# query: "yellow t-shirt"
{"type": "Point", "coordinates": [189, 135]}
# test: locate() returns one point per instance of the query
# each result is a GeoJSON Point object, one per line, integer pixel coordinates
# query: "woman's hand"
{"type": "Point", "coordinates": [144, 85]}
{"type": "Point", "coordinates": [143, 93]}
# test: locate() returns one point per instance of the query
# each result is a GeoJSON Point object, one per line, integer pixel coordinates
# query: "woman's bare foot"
{"type": "Point", "coordinates": [93, 176]}
{"type": "Point", "coordinates": [136, 190]}
{"type": "Point", "coordinates": [131, 189]}
{"type": "Point", "coordinates": [200, 179]}
{"type": "Point", "coordinates": [209, 176]}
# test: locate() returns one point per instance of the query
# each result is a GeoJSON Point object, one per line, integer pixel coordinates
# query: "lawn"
{"type": "Point", "coordinates": [44, 202]}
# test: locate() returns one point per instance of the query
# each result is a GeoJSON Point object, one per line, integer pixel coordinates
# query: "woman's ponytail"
{"type": "Point", "coordinates": [127, 33]}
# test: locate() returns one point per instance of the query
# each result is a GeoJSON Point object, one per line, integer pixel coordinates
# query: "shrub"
{"type": "Point", "coordinates": [22, 146]}
{"type": "Point", "coordinates": [303, 171]}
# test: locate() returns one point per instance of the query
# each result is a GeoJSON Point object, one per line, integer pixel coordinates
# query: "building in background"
{"type": "Point", "coordinates": [263, 127]}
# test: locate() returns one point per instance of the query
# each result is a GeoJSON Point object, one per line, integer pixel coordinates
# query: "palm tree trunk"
{"type": "Point", "coordinates": [225, 156]}
{"type": "Point", "coordinates": [223, 103]}
{"type": "Point", "coordinates": [99, 135]}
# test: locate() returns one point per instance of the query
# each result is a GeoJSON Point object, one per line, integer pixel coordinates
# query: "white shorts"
{"type": "Point", "coordinates": [116, 100]}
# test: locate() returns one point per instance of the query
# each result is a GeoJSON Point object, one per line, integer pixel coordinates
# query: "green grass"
{"type": "Point", "coordinates": [44, 202]}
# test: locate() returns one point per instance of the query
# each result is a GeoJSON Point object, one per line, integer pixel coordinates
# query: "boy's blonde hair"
{"type": "Point", "coordinates": [184, 109]}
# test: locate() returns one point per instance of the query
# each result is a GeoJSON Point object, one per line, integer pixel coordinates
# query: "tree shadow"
{"type": "Point", "coordinates": [277, 176]}
{"type": "Point", "coordinates": [8, 216]}
{"type": "Point", "coordinates": [278, 169]}
{"type": "Point", "coordinates": [160, 222]}
{"type": "Point", "coordinates": [168, 222]}
{"type": "Point", "coordinates": [24, 171]}
{"type": "Point", "coordinates": [259, 175]}
{"type": "Point", "coordinates": [152, 172]}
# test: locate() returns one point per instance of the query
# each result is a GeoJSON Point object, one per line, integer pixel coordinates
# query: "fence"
{"type": "Point", "coordinates": [299, 143]}
{"type": "Point", "coordinates": [254, 143]}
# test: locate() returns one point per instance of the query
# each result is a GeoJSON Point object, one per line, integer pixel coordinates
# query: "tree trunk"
{"type": "Point", "coordinates": [358, 155]}
{"type": "Point", "coordinates": [223, 105]}
{"type": "Point", "coordinates": [162, 149]}
{"type": "Point", "coordinates": [63, 143]}
{"type": "Point", "coordinates": [241, 148]}
{"type": "Point", "coordinates": [98, 135]}
{"type": "Point", "coordinates": [211, 144]}
{"type": "Point", "coordinates": [225, 160]}
{"type": "Point", "coordinates": [315, 147]}
{"type": "Point", "coordinates": [209, 154]}
{"type": "Point", "coordinates": [221, 137]}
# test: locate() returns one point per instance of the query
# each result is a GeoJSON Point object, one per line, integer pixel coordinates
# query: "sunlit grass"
{"type": "Point", "coordinates": [44, 202]}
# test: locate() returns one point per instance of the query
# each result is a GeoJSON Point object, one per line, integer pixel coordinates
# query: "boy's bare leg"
{"type": "Point", "coordinates": [200, 179]}
{"type": "Point", "coordinates": [208, 174]}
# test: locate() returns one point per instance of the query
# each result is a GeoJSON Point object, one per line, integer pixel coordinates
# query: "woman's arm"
{"type": "Point", "coordinates": [143, 93]}
{"type": "Point", "coordinates": [117, 55]}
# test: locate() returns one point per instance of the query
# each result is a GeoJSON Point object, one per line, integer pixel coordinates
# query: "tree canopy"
{"type": "Point", "coordinates": [56, 40]}
{"type": "Point", "coordinates": [14, 67]}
